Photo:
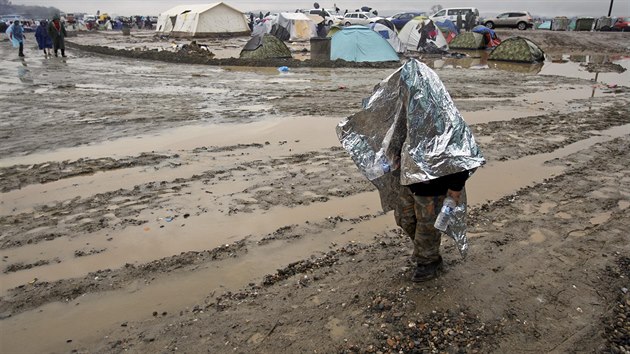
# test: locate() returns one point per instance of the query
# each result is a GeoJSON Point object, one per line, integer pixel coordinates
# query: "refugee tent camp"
{"type": "Point", "coordinates": [411, 36]}
{"type": "Point", "coordinates": [294, 27]}
{"type": "Point", "coordinates": [468, 40]}
{"type": "Point", "coordinates": [518, 49]}
{"type": "Point", "coordinates": [202, 20]}
{"type": "Point", "coordinates": [265, 46]}
{"type": "Point", "coordinates": [390, 36]}
{"type": "Point", "coordinates": [360, 44]}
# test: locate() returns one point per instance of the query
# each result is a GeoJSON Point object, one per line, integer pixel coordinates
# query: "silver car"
{"type": "Point", "coordinates": [521, 20]}
{"type": "Point", "coordinates": [359, 18]}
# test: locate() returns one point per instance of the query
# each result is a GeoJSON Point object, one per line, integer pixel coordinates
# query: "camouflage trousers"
{"type": "Point", "coordinates": [416, 215]}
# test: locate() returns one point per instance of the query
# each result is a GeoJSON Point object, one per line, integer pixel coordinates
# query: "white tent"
{"type": "Point", "coordinates": [202, 21]}
{"type": "Point", "coordinates": [410, 35]}
{"type": "Point", "coordinates": [299, 26]}
{"type": "Point", "coordinates": [390, 36]}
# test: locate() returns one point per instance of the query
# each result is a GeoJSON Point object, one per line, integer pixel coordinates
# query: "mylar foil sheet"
{"type": "Point", "coordinates": [410, 126]}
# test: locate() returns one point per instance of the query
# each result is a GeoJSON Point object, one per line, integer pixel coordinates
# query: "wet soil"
{"type": "Point", "coordinates": [151, 206]}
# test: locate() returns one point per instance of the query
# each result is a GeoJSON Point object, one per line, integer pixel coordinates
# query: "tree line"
{"type": "Point", "coordinates": [35, 12]}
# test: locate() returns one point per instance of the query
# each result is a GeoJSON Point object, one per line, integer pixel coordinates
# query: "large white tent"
{"type": "Point", "coordinates": [203, 20]}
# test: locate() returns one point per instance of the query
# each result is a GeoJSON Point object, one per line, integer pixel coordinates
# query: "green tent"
{"type": "Point", "coordinates": [468, 40]}
{"type": "Point", "coordinates": [518, 49]}
{"type": "Point", "coordinates": [582, 24]}
{"type": "Point", "coordinates": [265, 47]}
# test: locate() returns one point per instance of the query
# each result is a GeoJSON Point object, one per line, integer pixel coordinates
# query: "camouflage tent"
{"type": "Point", "coordinates": [518, 49]}
{"type": "Point", "coordinates": [265, 47]}
{"type": "Point", "coordinates": [468, 40]}
{"type": "Point", "coordinates": [560, 23]}
{"type": "Point", "coordinates": [582, 24]}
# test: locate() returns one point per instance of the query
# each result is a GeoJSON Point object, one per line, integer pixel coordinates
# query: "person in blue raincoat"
{"type": "Point", "coordinates": [44, 42]}
{"type": "Point", "coordinates": [16, 35]}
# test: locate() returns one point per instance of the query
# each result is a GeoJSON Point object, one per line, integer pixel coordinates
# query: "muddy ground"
{"type": "Point", "coordinates": [152, 206]}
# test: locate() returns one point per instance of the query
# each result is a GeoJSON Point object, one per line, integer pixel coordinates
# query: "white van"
{"type": "Point", "coordinates": [451, 14]}
{"type": "Point", "coordinates": [330, 17]}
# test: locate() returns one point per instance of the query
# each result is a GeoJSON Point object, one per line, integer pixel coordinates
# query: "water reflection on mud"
{"type": "Point", "coordinates": [555, 64]}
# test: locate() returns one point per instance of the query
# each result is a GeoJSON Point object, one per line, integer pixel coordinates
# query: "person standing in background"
{"type": "Point", "coordinates": [16, 35]}
{"type": "Point", "coordinates": [44, 42]}
{"type": "Point", "coordinates": [57, 31]}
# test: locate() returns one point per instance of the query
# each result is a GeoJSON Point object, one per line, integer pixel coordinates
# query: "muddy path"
{"type": "Point", "coordinates": [197, 207]}
{"type": "Point", "coordinates": [545, 280]}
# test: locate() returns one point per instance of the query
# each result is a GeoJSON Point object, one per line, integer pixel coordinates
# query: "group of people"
{"type": "Point", "coordinates": [468, 22]}
{"type": "Point", "coordinates": [49, 35]}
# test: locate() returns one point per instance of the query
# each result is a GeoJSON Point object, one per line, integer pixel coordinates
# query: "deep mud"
{"type": "Point", "coordinates": [152, 206]}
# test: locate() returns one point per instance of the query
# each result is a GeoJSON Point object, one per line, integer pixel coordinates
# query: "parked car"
{"type": "Point", "coordinates": [521, 20]}
{"type": "Point", "coordinates": [451, 13]}
{"type": "Point", "coordinates": [359, 18]}
{"type": "Point", "coordinates": [330, 17]}
{"type": "Point", "coordinates": [622, 24]}
{"type": "Point", "coordinates": [400, 19]}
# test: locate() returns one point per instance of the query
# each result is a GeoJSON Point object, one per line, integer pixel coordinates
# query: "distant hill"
{"type": "Point", "coordinates": [35, 12]}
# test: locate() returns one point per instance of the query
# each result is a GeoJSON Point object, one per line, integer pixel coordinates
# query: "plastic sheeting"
{"type": "Point", "coordinates": [410, 131]}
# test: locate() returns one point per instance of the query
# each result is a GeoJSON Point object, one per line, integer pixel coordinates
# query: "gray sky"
{"type": "Point", "coordinates": [569, 8]}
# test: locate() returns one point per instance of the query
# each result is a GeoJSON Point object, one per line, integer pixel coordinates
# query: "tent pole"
{"type": "Point", "coordinates": [610, 8]}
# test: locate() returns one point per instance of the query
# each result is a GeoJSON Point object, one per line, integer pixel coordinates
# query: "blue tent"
{"type": "Point", "coordinates": [448, 24]}
{"type": "Point", "coordinates": [360, 43]}
{"type": "Point", "coordinates": [483, 30]}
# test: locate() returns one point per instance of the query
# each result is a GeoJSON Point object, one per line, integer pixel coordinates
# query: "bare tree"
{"type": "Point", "coordinates": [436, 8]}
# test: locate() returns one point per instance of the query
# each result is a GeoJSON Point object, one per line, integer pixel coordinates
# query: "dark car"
{"type": "Point", "coordinates": [400, 20]}
{"type": "Point", "coordinates": [622, 24]}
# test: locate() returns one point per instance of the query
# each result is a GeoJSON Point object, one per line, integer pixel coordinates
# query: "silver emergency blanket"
{"type": "Point", "coordinates": [410, 131]}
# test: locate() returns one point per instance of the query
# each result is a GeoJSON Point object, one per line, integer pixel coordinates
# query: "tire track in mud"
{"type": "Point", "coordinates": [516, 138]}
{"type": "Point", "coordinates": [18, 176]}
{"type": "Point", "coordinates": [36, 293]}
{"type": "Point", "coordinates": [290, 181]}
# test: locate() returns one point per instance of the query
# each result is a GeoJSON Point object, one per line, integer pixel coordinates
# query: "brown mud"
{"type": "Point", "coordinates": [150, 206]}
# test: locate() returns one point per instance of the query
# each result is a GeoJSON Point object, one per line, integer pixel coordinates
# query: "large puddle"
{"type": "Point", "coordinates": [562, 65]}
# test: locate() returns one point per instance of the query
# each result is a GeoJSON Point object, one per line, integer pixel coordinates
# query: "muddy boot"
{"type": "Point", "coordinates": [56, 53]}
{"type": "Point", "coordinates": [63, 53]}
{"type": "Point", "coordinates": [425, 272]}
